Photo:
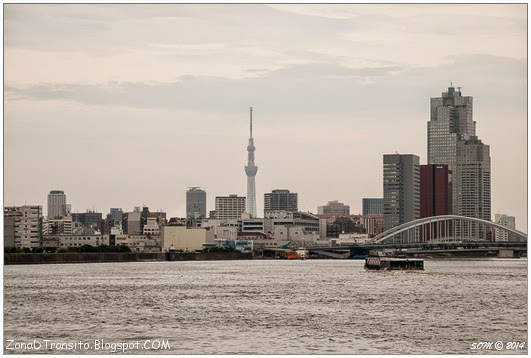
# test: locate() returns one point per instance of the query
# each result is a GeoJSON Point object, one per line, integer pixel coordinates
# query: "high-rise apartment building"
{"type": "Point", "coordinates": [508, 222]}
{"type": "Point", "coordinates": [334, 208]}
{"type": "Point", "coordinates": [435, 190]}
{"type": "Point", "coordinates": [372, 206]}
{"type": "Point", "coordinates": [401, 188]}
{"type": "Point", "coordinates": [230, 207]}
{"type": "Point", "coordinates": [24, 226]}
{"type": "Point", "coordinates": [195, 203]}
{"type": "Point", "coordinates": [473, 179]}
{"type": "Point", "coordinates": [57, 207]}
{"type": "Point", "coordinates": [280, 199]}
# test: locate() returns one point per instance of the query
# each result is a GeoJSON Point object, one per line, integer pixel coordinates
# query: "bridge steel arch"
{"type": "Point", "coordinates": [439, 228]}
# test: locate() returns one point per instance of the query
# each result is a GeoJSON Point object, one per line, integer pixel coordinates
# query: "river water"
{"type": "Point", "coordinates": [269, 306]}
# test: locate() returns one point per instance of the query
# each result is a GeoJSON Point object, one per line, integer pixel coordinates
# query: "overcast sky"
{"type": "Point", "coordinates": [128, 105]}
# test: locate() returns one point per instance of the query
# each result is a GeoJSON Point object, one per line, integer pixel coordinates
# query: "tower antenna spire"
{"type": "Point", "coordinates": [251, 115]}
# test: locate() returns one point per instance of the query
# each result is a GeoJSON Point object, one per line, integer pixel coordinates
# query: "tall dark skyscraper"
{"type": "Point", "coordinates": [452, 141]}
{"type": "Point", "coordinates": [435, 190]}
{"type": "Point", "coordinates": [195, 203]}
{"type": "Point", "coordinates": [401, 188]}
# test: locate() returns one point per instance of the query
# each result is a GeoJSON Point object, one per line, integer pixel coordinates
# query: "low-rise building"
{"type": "Point", "coordinates": [152, 227]}
{"type": "Point", "coordinates": [185, 239]}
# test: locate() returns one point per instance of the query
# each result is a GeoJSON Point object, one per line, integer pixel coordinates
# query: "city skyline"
{"type": "Point", "coordinates": [74, 127]}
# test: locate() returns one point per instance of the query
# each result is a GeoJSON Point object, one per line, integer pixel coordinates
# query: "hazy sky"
{"type": "Point", "coordinates": [127, 105]}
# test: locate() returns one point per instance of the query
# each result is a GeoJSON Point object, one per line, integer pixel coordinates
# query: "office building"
{"type": "Point", "coordinates": [89, 218]}
{"type": "Point", "coordinates": [473, 179]}
{"type": "Point", "coordinates": [451, 141]}
{"type": "Point", "coordinates": [230, 207]}
{"type": "Point", "coordinates": [132, 223]}
{"type": "Point", "coordinates": [59, 226]}
{"type": "Point", "coordinates": [334, 208]}
{"type": "Point", "coordinates": [280, 199]}
{"type": "Point", "coordinates": [401, 188]}
{"type": "Point", "coordinates": [435, 190]}
{"type": "Point", "coordinates": [24, 226]}
{"type": "Point", "coordinates": [195, 203]}
{"type": "Point", "coordinates": [372, 206]}
{"type": "Point", "coordinates": [57, 207]}
{"type": "Point", "coordinates": [250, 170]}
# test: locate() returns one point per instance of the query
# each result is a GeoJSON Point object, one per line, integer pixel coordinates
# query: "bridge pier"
{"type": "Point", "coordinates": [505, 253]}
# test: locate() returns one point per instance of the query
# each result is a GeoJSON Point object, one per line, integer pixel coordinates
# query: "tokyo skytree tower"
{"type": "Point", "coordinates": [250, 170]}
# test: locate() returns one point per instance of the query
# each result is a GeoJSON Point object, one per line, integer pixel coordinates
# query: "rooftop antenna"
{"type": "Point", "coordinates": [251, 114]}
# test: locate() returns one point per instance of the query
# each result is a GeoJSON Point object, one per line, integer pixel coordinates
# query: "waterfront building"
{"type": "Point", "coordinates": [195, 203]}
{"type": "Point", "coordinates": [247, 224]}
{"type": "Point", "coordinates": [401, 188]}
{"type": "Point", "coordinates": [473, 179]}
{"type": "Point", "coordinates": [57, 204]}
{"type": "Point", "coordinates": [229, 207]}
{"type": "Point", "coordinates": [308, 221]}
{"type": "Point", "coordinates": [151, 228]}
{"type": "Point", "coordinates": [23, 226]}
{"type": "Point", "coordinates": [372, 206]}
{"type": "Point", "coordinates": [334, 208]}
{"type": "Point", "coordinates": [508, 222]}
{"type": "Point", "coordinates": [435, 190]}
{"type": "Point", "coordinates": [250, 170]}
{"type": "Point", "coordinates": [139, 243]}
{"type": "Point", "coordinates": [280, 199]}
{"type": "Point", "coordinates": [185, 239]}
{"type": "Point", "coordinates": [343, 225]}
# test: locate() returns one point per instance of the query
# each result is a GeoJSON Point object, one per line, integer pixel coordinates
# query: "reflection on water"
{"type": "Point", "coordinates": [312, 306]}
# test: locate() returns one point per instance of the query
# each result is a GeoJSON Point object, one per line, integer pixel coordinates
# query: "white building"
{"type": "Point", "coordinates": [334, 208]}
{"type": "Point", "coordinates": [152, 227]}
{"type": "Point", "coordinates": [79, 240]}
{"type": "Point", "coordinates": [25, 225]}
{"type": "Point", "coordinates": [508, 222]}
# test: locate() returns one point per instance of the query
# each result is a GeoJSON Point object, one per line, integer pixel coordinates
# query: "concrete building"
{"type": "Point", "coordinates": [250, 170]}
{"type": "Point", "coordinates": [24, 225]}
{"type": "Point", "coordinates": [139, 243]}
{"type": "Point", "coordinates": [196, 203]}
{"type": "Point", "coordinates": [62, 226]}
{"type": "Point", "coordinates": [230, 207]}
{"type": "Point", "coordinates": [334, 208]}
{"type": "Point", "coordinates": [473, 179]}
{"type": "Point", "coordinates": [280, 199]}
{"type": "Point", "coordinates": [309, 222]}
{"type": "Point", "coordinates": [508, 222]}
{"type": "Point", "coordinates": [372, 206]}
{"type": "Point", "coordinates": [185, 239]}
{"type": "Point", "coordinates": [89, 218]}
{"type": "Point", "coordinates": [152, 227]}
{"type": "Point", "coordinates": [132, 223]}
{"type": "Point", "coordinates": [56, 204]}
{"type": "Point", "coordinates": [435, 190]}
{"type": "Point", "coordinates": [251, 224]}
{"type": "Point", "coordinates": [78, 240]}
{"type": "Point", "coordinates": [401, 188]}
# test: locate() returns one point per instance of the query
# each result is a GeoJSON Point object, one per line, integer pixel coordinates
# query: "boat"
{"type": "Point", "coordinates": [393, 263]}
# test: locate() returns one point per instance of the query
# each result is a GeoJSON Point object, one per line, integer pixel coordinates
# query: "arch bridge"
{"type": "Point", "coordinates": [448, 229]}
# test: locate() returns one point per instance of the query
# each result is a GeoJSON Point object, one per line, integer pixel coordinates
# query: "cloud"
{"type": "Point", "coordinates": [305, 88]}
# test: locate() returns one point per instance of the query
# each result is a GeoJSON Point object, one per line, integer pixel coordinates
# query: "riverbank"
{"type": "Point", "coordinates": [87, 257]}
